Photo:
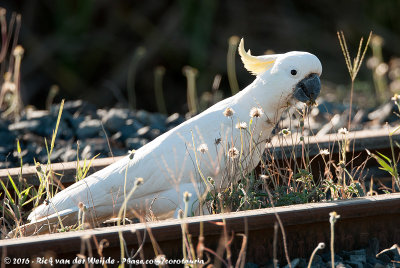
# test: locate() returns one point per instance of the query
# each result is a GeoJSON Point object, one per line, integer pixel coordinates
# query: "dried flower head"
{"type": "Point", "coordinates": [228, 112]}
{"type": "Point", "coordinates": [324, 152]}
{"type": "Point", "coordinates": [18, 51]}
{"type": "Point", "coordinates": [343, 131]}
{"type": "Point", "coordinates": [233, 153]}
{"type": "Point", "coordinates": [217, 141]}
{"type": "Point", "coordinates": [186, 196]}
{"type": "Point", "coordinates": [255, 112]}
{"type": "Point", "coordinates": [81, 206]}
{"type": "Point", "coordinates": [131, 153]}
{"type": "Point", "coordinates": [139, 181]}
{"type": "Point", "coordinates": [333, 217]}
{"type": "Point", "coordinates": [241, 125]}
{"type": "Point", "coordinates": [38, 167]}
{"type": "Point", "coordinates": [202, 148]}
{"type": "Point", "coordinates": [321, 245]}
{"type": "Point", "coordinates": [285, 132]}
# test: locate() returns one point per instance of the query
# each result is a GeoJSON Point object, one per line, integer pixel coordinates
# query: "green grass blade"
{"type": "Point", "coordinates": [7, 192]}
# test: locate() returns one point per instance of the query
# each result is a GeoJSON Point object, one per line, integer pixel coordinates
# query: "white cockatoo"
{"type": "Point", "coordinates": [176, 161]}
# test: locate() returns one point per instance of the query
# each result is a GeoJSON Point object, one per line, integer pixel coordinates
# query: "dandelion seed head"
{"type": "Point", "coordinates": [203, 148]}
{"type": "Point", "coordinates": [343, 131]}
{"type": "Point", "coordinates": [233, 153]}
{"type": "Point", "coordinates": [241, 125]}
{"type": "Point", "coordinates": [228, 112]}
{"type": "Point", "coordinates": [324, 152]}
{"type": "Point", "coordinates": [255, 112]}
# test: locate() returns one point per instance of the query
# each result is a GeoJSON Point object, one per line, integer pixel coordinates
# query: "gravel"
{"type": "Point", "coordinates": [361, 258]}
{"type": "Point", "coordinates": [82, 123]}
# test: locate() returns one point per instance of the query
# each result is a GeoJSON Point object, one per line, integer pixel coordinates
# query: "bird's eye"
{"type": "Point", "coordinates": [293, 72]}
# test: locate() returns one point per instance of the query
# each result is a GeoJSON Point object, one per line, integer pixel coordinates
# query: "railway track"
{"type": "Point", "coordinates": [362, 219]}
{"type": "Point", "coordinates": [280, 147]}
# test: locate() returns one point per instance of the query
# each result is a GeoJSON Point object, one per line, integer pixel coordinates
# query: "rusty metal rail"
{"type": "Point", "coordinates": [281, 147]}
{"type": "Point", "coordinates": [362, 219]}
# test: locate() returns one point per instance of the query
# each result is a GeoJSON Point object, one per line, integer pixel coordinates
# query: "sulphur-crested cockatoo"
{"type": "Point", "coordinates": [201, 147]}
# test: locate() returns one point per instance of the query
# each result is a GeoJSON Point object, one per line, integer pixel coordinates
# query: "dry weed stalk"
{"type": "Point", "coordinates": [352, 66]}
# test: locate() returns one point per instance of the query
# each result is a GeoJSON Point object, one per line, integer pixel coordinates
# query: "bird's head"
{"type": "Point", "coordinates": [295, 73]}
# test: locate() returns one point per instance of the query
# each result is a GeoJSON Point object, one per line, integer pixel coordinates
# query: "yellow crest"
{"type": "Point", "coordinates": [253, 64]}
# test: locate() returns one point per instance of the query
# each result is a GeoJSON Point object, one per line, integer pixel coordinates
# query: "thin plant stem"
{"type": "Point", "coordinates": [191, 74]}
{"type": "Point", "coordinates": [320, 246]}
{"type": "Point", "coordinates": [139, 53]}
{"type": "Point", "coordinates": [158, 89]}
{"type": "Point", "coordinates": [354, 67]}
{"type": "Point", "coordinates": [233, 83]}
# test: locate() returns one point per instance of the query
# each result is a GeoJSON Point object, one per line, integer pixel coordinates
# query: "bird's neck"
{"type": "Point", "coordinates": [260, 94]}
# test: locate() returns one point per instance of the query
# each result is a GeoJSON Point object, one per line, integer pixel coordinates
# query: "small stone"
{"type": "Point", "coordinates": [355, 264]}
{"type": "Point", "coordinates": [383, 113]}
{"type": "Point", "coordinates": [64, 131]}
{"type": "Point", "coordinates": [269, 264]}
{"type": "Point", "coordinates": [338, 265]}
{"type": "Point", "coordinates": [130, 129]}
{"type": "Point", "coordinates": [158, 120]}
{"type": "Point", "coordinates": [383, 257]}
{"type": "Point", "coordinates": [26, 126]}
{"type": "Point", "coordinates": [143, 117]}
{"type": "Point", "coordinates": [148, 133]}
{"type": "Point", "coordinates": [327, 257]}
{"type": "Point", "coordinates": [144, 131]}
{"type": "Point", "coordinates": [317, 260]}
{"type": "Point", "coordinates": [89, 129]}
{"type": "Point", "coordinates": [135, 143]}
{"type": "Point", "coordinates": [75, 107]}
{"type": "Point", "coordinates": [114, 119]}
{"type": "Point", "coordinates": [87, 152]}
{"type": "Point", "coordinates": [174, 120]}
{"type": "Point", "coordinates": [294, 263]}
{"type": "Point", "coordinates": [373, 261]}
{"type": "Point", "coordinates": [7, 139]}
{"type": "Point", "coordinates": [373, 246]}
{"type": "Point", "coordinates": [358, 258]}
{"type": "Point", "coordinates": [358, 252]}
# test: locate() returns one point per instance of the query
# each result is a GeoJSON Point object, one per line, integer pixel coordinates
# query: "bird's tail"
{"type": "Point", "coordinates": [45, 224]}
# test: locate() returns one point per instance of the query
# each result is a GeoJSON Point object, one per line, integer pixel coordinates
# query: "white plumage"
{"type": "Point", "coordinates": [168, 163]}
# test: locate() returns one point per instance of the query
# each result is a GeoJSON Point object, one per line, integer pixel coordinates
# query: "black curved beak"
{"type": "Point", "coordinates": [308, 89]}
